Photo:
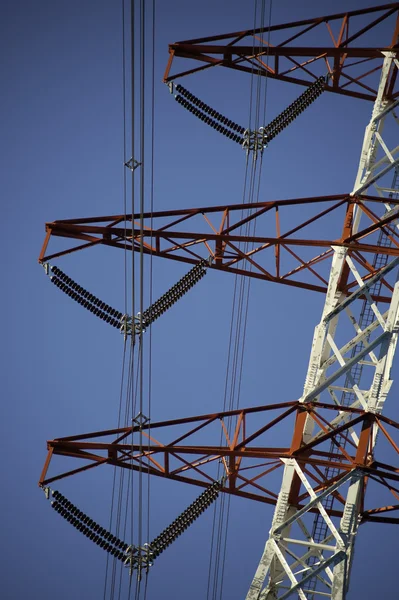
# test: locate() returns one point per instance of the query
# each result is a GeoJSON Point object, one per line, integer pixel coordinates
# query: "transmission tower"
{"type": "Point", "coordinates": [330, 462]}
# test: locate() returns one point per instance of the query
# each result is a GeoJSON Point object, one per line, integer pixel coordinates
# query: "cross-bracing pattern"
{"type": "Point", "coordinates": [329, 574]}
{"type": "Point", "coordinates": [248, 454]}
{"type": "Point", "coordinates": [290, 248]}
{"type": "Point", "coordinates": [327, 376]}
{"type": "Point", "coordinates": [346, 50]}
{"type": "Point", "coordinates": [375, 162]}
{"type": "Point", "coordinates": [251, 458]}
{"type": "Point", "coordinates": [379, 155]}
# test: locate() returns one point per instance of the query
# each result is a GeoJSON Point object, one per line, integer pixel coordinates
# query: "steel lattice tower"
{"type": "Point", "coordinates": [330, 462]}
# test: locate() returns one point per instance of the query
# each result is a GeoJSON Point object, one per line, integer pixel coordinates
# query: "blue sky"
{"type": "Point", "coordinates": [62, 157]}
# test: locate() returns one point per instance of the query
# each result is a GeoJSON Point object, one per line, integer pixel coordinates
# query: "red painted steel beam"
{"type": "Point", "coordinates": [296, 63]}
{"type": "Point", "coordinates": [385, 520]}
{"type": "Point", "coordinates": [187, 235]}
{"type": "Point", "coordinates": [188, 212]}
{"type": "Point", "coordinates": [190, 51]}
{"type": "Point", "coordinates": [389, 7]}
{"type": "Point", "coordinates": [188, 463]}
{"type": "Point", "coordinates": [106, 226]}
{"type": "Point", "coordinates": [82, 232]}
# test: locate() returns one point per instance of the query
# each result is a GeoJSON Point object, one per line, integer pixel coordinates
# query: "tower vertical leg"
{"type": "Point", "coordinates": [284, 571]}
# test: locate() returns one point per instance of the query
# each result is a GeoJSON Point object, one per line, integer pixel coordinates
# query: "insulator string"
{"type": "Point", "coordinates": [207, 109]}
{"type": "Point", "coordinates": [120, 549]}
{"type": "Point", "coordinates": [116, 318]}
{"type": "Point", "coordinates": [222, 124]}
{"type": "Point", "coordinates": [174, 294]}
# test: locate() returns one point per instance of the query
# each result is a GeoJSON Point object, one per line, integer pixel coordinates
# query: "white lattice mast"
{"type": "Point", "coordinates": [285, 567]}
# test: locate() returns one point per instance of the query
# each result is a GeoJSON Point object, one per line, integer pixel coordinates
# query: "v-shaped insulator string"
{"type": "Point", "coordinates": [176, 292]}
{"type": "Point", "coordinates": [92, 530]}
{"type": "Point", "coordinates": [85, 298]}
{"type": "Point", "coordinates": [295, 109]}
{"type": "Point", "coordinates": [133, 556]}
{"type": "Point", "coordinates": [207, 109]}
{"type": "Point", "coordinates": [116, 318]}
{"type": "Point", "coordinates": [215, 119]}
{"type": "Point", "coordinates": [187, 518]}
{"type": "Point", "coordinates": [211, 122]}
{"type": "Point", "coordinates": [239, 134]}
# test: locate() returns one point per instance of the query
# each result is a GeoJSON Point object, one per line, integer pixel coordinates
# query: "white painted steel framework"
{"type": "Point", "coordinates": [284, 568]}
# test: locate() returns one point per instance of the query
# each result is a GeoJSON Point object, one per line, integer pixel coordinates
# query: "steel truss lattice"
{"type": "Point", "coordinates": [332, 454]}
{"type": "Point", "coordinates": [248, 461]}
{"type": "Point", "coordinates": [278, 574]}
{"type": "Point", "coordinates": [346, 55]}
